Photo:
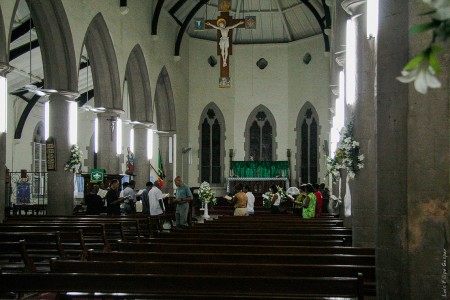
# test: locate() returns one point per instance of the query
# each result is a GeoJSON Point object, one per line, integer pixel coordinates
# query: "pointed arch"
{"type": "Point", "coordinates": [136, 75]}
{"type": "Point", "coordinates": [56, 44]}
{"type": "Point", "coordinates": [260, 133]}
{"type": "Point", "coordinates": [307, 142]}
{"type": "Point", "coordinates": [105, 71]}
{"type": "Point", "coordinates": [164, 102]}
{"type": "Point", "coordinates": [212, 144]}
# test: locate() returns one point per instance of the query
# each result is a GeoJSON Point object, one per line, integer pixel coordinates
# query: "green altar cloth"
{"type": "Point", "coordinates": [260, 169]}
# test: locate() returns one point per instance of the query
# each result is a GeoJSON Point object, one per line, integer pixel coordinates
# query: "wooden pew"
{"type": "Point", "coordinates": [275, 221]}
{"type": "Point", "coordinates": [94, 236]}
{"type": "Point", "coordinates": [273, 230]}
{"type": "Point", "coordinates": [14, 257]}
{"type": "Point", "coordinates": [40, 247]}
{"type": "Point", "coordinates": [236, 258]}
{"type": "Point", "coordinates": [242, 241]}
{"type": "Point", "coordinates": [230, 248]}
{"type": "Point", "coordinates": [346, 238]}
{"type": "Point", "coordinates": [248, 269]}
{"type": "Point", "coordinates": [133, 227]}
{"type": "Point", "coordinates": [170, 286]}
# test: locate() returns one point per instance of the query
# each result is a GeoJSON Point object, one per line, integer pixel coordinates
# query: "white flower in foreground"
{"type": "Point", "coordinates": [422, 75]}
{"type": "Point", "coordinates": [361, 157]}
{"type": "Point", "coordinates": [442, 8]}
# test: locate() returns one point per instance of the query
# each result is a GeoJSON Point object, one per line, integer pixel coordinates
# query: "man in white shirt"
{"type": "Point", "coordinates": [131, 194]}
{"type": "Point", "coordinates": [155, 198]}
{"type": "Point", "coordinates": [250, 200]}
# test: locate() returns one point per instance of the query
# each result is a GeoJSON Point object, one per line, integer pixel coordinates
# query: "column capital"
{"type": "Point", "coordinates": [5, 68]}
{"type": "Point", "coordinates": [144, 125]}
{"type": "Point", "coordinates": [112, 112]}
{"type": "Point", "coordinates": [68, 96]}
{"type": "Point", "coordinates": [354, 7]}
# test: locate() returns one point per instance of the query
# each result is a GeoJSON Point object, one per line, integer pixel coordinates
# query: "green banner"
{"type": "Point", "coordinates": [260, 169]}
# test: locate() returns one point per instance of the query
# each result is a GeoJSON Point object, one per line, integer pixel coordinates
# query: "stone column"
{"type": "Point", "coordinates": [4, 70]}
{"type": "Point", "coordinates": [107, 157]}
{"type": "Point", "coordinates": [60, 182]}
{"type": "Point", "coordinates": [392, 154]}
{"type": "Point", "coordinates": [141, 166]}
{"type": "Point", "coordinates": [363, 187]}
{"type": "Point", "coordinates": [339, 18]}
{"type": "Point", "coordinates": [427, 170]}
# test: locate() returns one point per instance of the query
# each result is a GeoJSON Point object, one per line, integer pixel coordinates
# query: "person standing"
{"type": "Point", "coordinates": [94, 203]}
{"type": "Point", "coordinates": [240, 201]}
{"type": "Point", "coordinates": [319, 201]}
{"type": "Point", "coordinates": [250, 200]}
{"type": "Point", "coordinates": [276, 200]}
{"type": "Point", "coordinates": [182, 198]}
{"type": "Point", "coordinates": [144, 197]}
{"type": "Point", "coordinates": [112, 198]}
{"type": "Point", "coordinates": [130, 194]}
{"type": "Point", "coordinates": [325, 197]}
{"type": "Point", "coordinates": [309, 205]}
{"type": "Point", "coordinates": [155, 198]}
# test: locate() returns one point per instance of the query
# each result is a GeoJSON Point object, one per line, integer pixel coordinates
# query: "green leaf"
{"type": "Point", "coordinates": [414, 62]}
{"type": "Point", "coordinates": [434, 63]}
{"type": "Point", "coordinates": [422, 27]}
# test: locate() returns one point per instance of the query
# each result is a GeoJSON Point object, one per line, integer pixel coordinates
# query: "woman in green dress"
{"type": "Point", "coordinates": [309, 203]}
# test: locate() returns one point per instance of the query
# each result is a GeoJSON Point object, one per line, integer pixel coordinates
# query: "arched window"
{"type": "Point", "coordinates": [307, 144]}
{"type": "Point", "coordinates": [212, 152]}
{"type": "Point", "coordinates": [260, 135]}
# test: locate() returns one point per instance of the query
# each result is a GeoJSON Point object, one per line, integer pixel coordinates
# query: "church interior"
{"type": "Point", "coordinates": [340, 92]}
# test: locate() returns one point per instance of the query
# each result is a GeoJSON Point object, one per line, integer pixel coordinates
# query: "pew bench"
{"type": "Point", "coordinates": [14, 258]}
{"type": "Point", "coordinates": [230, 248]}
{"type": "Point", "coordinates": [92, 237]}
{"type": "Point", "coordinates": [236, 258]}
{"type": "Point", "coordinates": [246, 269]}
{"type": "Point", "coordinates": [170, 286]}
{"type": "Point", "coordinates": [37, 248]}
{"type": "Point", "coordinates": [345, 238]}
{"type": "Point", "coordinates": [241, 241]}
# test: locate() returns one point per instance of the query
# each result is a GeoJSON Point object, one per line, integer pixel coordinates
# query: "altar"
{"type": "Point", "coordinates": [259, 175]}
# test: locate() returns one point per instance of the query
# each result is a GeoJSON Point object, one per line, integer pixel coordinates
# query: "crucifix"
{"type": "Point", "coordinates": [224, 25]}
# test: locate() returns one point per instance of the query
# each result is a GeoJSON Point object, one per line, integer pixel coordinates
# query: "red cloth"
{"type": "Point", "coordinates": [319, 202]}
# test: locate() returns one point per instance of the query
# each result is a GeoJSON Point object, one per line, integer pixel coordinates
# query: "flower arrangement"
{"type": "Point", "coordinates": [206, 195]}
{"type": "Point", "coordinates": [267, 203]}
{"type": "Point", "coordinates": [347, 155]}
{"type": "Point", "coordinates": [267, 197]}
{"type": "Point", "coordinates": [423, 67]}
{"type": "Point", "coordinates": [74, 161]}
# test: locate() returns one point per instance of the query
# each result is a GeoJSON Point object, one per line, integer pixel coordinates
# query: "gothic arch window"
{"type": "Point", "coordinates": [260, 135]}
{"type": "Point", "coordinates": [307, 144]}
{"type": "Point", "coordinates": [212, 137]}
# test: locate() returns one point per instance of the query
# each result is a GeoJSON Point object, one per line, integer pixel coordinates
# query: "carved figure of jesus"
{"type": "Point", "coordinates": [224, 42]}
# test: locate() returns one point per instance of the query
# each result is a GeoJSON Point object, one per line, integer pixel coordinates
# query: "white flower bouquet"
{"type": "Point", "coordinates": [347, 156]}
{"type": "Point", "coordinates": [206, 195]}
{"type": "Point", "coordinates": [74, 161]}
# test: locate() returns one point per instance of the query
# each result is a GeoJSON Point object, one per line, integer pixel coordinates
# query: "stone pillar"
{"type": "Point", "coordinates": [4, 70]}
{"type": "Point", "coordinates": [60, 182]}
{"type": "Point", "coordinates": [363, 187]}
{"type": "Point", "coordinates": [427, 170]}
{"type": "Point", "coordinates": [339, 18]}
{"type": "Point", "coordinates": [141, 166]}
{"type": "Point", "coordinates": [107, 157]}
{"type": "Point", "coordinates": [392, 154]}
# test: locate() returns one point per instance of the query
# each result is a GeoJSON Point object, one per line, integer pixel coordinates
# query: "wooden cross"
{"type": "Point", "coordinates": [229, 25]}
